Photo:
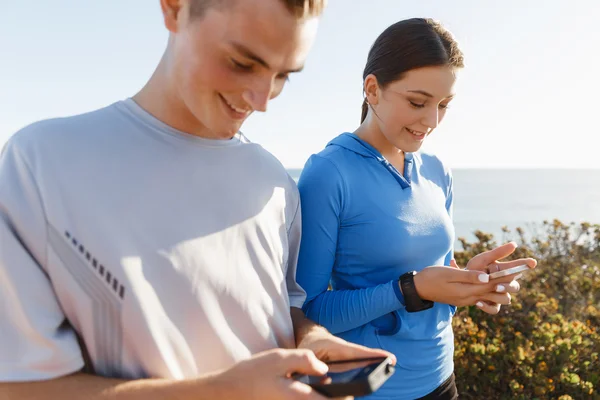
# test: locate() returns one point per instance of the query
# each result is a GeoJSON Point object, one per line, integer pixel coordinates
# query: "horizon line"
{"type": "Point", "coordinates": [508, 168]}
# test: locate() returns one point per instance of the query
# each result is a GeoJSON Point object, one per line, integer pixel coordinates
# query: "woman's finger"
{"type": "Point", "coordinates": [499, 298]}
{"type": "Point", "coordinates": [510, 287]}
{"type": "Point", "coordinates": [489, 308]}
{"type": "Point", "coordinates": [498, 253]}
{"type": "Point", "coordinates": [530, 262]}
{"type": "Point", "coordinates": [465, 276]}
{"type": "Point", "coordinates": [507, 287]}
{"type": "Point", "coordinates": [494, 267]}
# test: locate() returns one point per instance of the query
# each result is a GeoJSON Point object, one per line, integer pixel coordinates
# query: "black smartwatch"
{"type": "Point", "coordinates": [411, 298]}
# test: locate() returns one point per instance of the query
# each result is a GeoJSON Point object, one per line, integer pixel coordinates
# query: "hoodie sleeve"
{"type": "Point", "coordinates": [322, 195]}
{"type": "Point", "coordinates": [449, 208]}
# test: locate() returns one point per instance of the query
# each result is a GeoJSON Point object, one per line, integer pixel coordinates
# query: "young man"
{"type": "Point", "coordinates": [148, 249]}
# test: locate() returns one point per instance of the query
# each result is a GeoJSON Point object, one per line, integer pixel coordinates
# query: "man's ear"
{"type": "Point", "coordinates": [172, 14]}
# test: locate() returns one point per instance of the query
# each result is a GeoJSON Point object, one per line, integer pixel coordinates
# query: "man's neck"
{"type": "Point", "coordinates": [158, 99]}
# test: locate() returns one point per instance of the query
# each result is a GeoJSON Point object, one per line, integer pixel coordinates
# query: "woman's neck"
{"type": "Point", "coordinates": [373, 135]}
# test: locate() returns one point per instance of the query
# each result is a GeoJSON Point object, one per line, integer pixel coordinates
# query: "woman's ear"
{"type": "Point", "coordinates": [371, 88]}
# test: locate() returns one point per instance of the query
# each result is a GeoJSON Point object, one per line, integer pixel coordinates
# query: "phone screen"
{"type": "Point", "coordinates": [343, 371]}
{"type": "Point", "coordinates": [509, 271]}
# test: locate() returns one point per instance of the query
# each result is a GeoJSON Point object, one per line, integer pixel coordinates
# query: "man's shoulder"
{"type": "Point", "coordinates": [269, 164]}
{"type": "Point", "coordinates": [51, 133]}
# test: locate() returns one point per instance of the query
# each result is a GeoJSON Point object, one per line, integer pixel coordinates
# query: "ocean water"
{"type": "Point", "coordinates": [489, 199]}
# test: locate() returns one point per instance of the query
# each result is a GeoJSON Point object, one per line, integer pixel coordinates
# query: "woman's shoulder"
{"type": "Point", "coordinates": [329, 170]}
{"type": "Point", "coordinates": [323, 166]}
{"type": "Point", "coordinates": [431, 165]}
{"type": "Point", "coordinates": [431, 161]}
{"type": "Point", "coordinates": [333, 159]}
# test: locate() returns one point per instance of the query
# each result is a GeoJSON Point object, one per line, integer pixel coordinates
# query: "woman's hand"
{"type": "Point", "coordinates": [472, 286]}
{"type": "Point", "coordinates": [488, 261]}
{"type": "Point", "coordinates": [459, 287]}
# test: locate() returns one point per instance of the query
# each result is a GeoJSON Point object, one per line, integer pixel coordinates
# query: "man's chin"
{"type": "Point", "coordinates": [227, 133]}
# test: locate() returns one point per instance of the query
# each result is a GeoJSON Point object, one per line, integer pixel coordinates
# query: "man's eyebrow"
{"type": "Point", "coordinates": [246, 52]}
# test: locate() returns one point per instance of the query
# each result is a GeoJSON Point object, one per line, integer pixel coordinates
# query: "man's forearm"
{"type": "Point", "coordinates": [303, 325]}
{"type": "Point", "coordinates": [89, 387]}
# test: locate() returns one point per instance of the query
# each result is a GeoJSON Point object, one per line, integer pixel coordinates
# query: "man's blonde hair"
{"type": "Point", "coordinates": [299, 8]}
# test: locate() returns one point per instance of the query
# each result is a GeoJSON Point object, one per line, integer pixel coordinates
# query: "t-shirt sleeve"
{"type": "Point", "coordinates": [35, 342]}
{"type": "Point", "coordinates": [296, 294]}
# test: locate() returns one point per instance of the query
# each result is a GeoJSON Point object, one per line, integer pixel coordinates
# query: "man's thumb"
{"type": "Point", "coordinates": [303, 362]}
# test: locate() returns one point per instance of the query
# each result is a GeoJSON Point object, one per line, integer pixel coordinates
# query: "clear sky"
{"type": "Point", "coordinates": [528, 97]}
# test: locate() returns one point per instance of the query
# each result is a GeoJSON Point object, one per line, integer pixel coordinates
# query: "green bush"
{"type": "Point", "coordinates": [546, 344]}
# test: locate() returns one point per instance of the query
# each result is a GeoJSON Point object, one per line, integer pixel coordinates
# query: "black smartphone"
{"type": "Point", "coordinates": [356, 377]}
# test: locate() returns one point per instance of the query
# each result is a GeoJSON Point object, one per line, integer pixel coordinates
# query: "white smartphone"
{"type": "Point", "coordinates": [509, 271]}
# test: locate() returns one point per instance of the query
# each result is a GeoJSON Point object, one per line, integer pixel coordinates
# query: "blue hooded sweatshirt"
{"type": "Point", "coordinates": [363, 225]}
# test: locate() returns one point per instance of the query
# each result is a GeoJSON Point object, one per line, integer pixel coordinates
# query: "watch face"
{"type": "Point", "coordinates": [409, 274]}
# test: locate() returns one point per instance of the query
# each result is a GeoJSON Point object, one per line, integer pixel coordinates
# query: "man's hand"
{"type": "Point", "coordinates": [326, 346]}
{"type": "Point", "coordinates": [267, 376]}
{"type": "Point", "coordinates": [331, 348]}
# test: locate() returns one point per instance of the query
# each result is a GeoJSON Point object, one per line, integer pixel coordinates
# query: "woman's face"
{"type": "Point", "coordinates": [409, 109]}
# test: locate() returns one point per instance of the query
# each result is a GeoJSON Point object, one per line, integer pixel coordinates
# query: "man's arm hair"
{"type": "Point", "coordinates": [83, 386]}
{"type": "Point", "coordinates": [302, 325]}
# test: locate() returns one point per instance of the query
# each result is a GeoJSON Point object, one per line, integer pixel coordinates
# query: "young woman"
{"type": "Point", "coordinates": [377, 220]}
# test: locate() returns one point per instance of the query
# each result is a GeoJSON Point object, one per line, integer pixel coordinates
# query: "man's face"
{"type": "Point", "coordinates": [232, 60]}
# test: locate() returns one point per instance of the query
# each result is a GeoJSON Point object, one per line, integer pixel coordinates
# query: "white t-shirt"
{"type": "Point", "coordinates": [168, 255]}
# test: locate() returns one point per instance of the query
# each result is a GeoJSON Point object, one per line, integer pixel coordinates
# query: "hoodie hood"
{"type": "Point", "coordinates": [351, 142]}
